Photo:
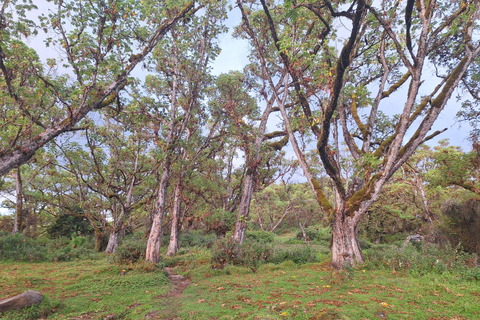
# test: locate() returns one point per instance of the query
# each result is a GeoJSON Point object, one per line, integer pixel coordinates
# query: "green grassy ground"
{"type": "Point", "coordinates": [84, 289]}
{"type": "Point", "coordinates": [314, 291]}
{"type": "Point", "coordinates": [95, 289]}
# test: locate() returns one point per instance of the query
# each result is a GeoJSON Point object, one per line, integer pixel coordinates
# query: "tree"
{"type": "Point", "coordinates": [387, 53]}
{"type": "Point", "coordinates": [181, 80]}
{"type": "Point", "coordinates": [117, 166]}
{"type": "Point", "coordinates": [454, 167]}
{"type": "Point", "coordinates": [101, 43]}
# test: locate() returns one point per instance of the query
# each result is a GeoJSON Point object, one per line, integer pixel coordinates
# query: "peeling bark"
{"type": "Point", "coordinates": [154, 240]}
{"type": "Point", "coordinates": [244, 208]}
{"type": "Point", "coordinates": [112, 241]}
{"type": "Point", "coordinates": [346, 251]}
{"type": "Point", "coordinates": [17, 223]}
{"type": "Point", "coordinates": [174, 245]}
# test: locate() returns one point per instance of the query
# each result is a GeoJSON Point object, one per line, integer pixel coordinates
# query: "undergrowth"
{"type": "Point", "coordinates": [23, 249]}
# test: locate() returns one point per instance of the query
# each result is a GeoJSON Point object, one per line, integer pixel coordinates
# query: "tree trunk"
{"type": "Point", "coordinates": [346, 251]}
{"type": "Point", "coordinates": [118, 225]}
{"type": "Point", "coordinates": [302, 228]}
{"type": "Point", "coordinates": [98, 239]}
{"type": "Point", "coordinates": [17, 223]}
{"type": "Point", "coordinates": [113, 241]}
{"type": "Point", "coordinates": [173, 246]}
{"type": "Point", "coordinates": [423, 194]}
{"type": "Point", "coordinates": [244, 208]}
{"type": "Point", "coordinates": [154, 240]}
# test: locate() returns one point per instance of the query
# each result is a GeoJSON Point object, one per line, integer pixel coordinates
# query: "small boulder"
{"type": "Point", "coordinates": [22, 300]}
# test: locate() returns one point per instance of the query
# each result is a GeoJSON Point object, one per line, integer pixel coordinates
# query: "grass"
{"type": "Point", "coordinates": [93, 289]}
{"type": "Point", "coordinates": [314, 291]}
{"type": "Point", "coordinates": [90, 289]}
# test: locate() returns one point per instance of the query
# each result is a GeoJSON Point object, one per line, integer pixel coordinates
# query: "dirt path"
{"type": "Point", "coordinates": [171, 301]}
{"type": "Point", "coordinates": [179, 283]}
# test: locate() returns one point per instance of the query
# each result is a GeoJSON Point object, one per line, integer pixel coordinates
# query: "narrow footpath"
{"type": "Point", "coordinates": [171, 301]}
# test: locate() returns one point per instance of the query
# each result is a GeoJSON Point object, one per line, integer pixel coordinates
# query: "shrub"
{"type": "Point", "coordinates": [255, 253]}
{"type": "Point", "coordinates": [321, 235]}
{"type": "Point", "coordinates": [197, 238]}
{"type": "Point", "coordinates": [420, 259]}
{"type": "Point", "coordinates": [250, 254]}
{"type": "Point", "coordinates": [260, 236]}
{"type": "Point", "coordinates": [66, 225]}
{"type": "Point", "coordinates": [299, 254]}
{"type": "Point", "coordinates": [365, 244]}
{"type": "Point", "coordinates": [20, 248]}
{"type": "Point", "coordinates": [131, 250]}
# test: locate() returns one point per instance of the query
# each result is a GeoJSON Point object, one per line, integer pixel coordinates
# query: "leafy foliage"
{"type": "Point", "coordinates": [197, 238]}
{"type": "Point", "coordinates": [250, 254]}
{"type": "Point", "coordinates": [68, 225]}
{"type": "Point", "coordinates": [319, 234]}
{"type": "Point", "coordinates": [20, 248]}
{"type": "Point", "coordinates": [23, 249]}
{"type": "Point", "coordinates": [299, 254]}
{"type": "Point", "coordinates": [130, 251]}
{"type": "Point", "coordinates": [421, 259]}
{"type": "Point", "coordinates": [462, 225]}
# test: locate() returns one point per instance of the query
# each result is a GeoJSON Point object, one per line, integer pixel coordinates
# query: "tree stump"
{"type": "Point", "coordinates": [22, 300]}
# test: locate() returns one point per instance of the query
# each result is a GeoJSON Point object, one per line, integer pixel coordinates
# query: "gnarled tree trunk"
{"type": "Point", "coordinates": [113, 241]}
{"type": "Point", "coordinates": [244, 208]}
{"type": "Point", "coordinates": [346, 251]}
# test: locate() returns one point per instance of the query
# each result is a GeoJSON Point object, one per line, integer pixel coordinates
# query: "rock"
{"type": "Point", "coordinates": [415, 238]}
{"type": "Point", "coordinates": [22, 300]}
{"type": "Point", "coordinates": [152, 315]}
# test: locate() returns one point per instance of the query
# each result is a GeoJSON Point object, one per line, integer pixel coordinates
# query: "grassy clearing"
{"type": "Point", "coordinates": [390, 288]}
{"type": "Point", "coordinates": [87, 289]}
{"type": "Point", "coordinates": [314, 291]}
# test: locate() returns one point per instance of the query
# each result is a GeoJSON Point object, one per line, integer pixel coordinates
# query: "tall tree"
{"type": "Point", "coordinates": [179, 85]}
{"type": "Point", "coordinates": [451, 166]}
{"type": "Point", "coordinates": [100, 44]}
{"type": "Point", "coordinates": [388, 52]}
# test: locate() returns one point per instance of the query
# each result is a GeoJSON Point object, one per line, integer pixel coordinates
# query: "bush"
{"type": "Point", "coordinates": [250, 254]}
{"type": "Point", "coordinates": [197, 238]}
{"type": "Point", "coordinates": [66, 225]}
{"type": "Point", "coordinates": [20, 248]}
{"type": "Point", "coordinates": [131, 250]}
{"type": "Point", "coordinates": [260, 236]}
{"type": "Point", "coordinates": [65, 249]}
{"type": "Point", "coordinates": [299, 254]}
{"type": "Point", "coordinates": [321, 235]}
{"type": "Point", "coordinates": [421, 259]}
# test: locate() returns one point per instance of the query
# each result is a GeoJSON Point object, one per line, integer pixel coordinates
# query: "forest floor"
{"type": "Point", "coordinates": [190, 289]}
